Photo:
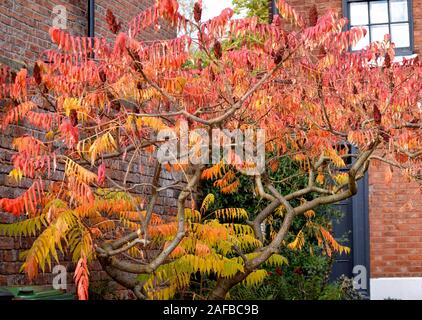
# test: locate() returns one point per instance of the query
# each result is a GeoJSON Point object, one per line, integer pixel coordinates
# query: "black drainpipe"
{"type": "Point", "coordinates": [91, 18]}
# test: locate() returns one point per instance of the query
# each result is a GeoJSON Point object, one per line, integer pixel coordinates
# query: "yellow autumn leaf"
{"type": "Point", "coordinates": [298, 242]}
{"type": "Point", "coordinates": [16, 174]}
{"type": "Point", "coordinates": [102, 144]}
{"type": "Point", "coordinates": [70, 104]}
{"type": "Point", "coordinates": [341, 178]}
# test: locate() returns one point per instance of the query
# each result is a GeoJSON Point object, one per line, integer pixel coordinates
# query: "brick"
{"type": "Point", "coordinates": [9, 255]}
{"type": "Point", "coordinates": [6, 243]}
{"type": "Point", "coordinates": [17, 279]}
{"type": "Point", "coordinates": [9, 268]}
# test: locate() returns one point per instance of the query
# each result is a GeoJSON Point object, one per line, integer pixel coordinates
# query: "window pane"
{"type": "Point", "coordinates": [400, 35]}
{"type": "Point", "coordinates": [362, 42]}
{"type": "Point", "coordinates": [398, 10]}
{"type": "Point", "coordinates": [358, 13]}
{"type": "Point", "coordinates": [378, 32]}
{"type": "Point", "coordinates": [379, 11]}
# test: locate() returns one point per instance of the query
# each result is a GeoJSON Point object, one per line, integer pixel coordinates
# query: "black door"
{"type": "Point", "coordinates": [343, 233]}
{"type": "Point", "coordinates": [354, 228]}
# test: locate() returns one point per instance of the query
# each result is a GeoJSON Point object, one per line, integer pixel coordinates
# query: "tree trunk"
{"type": "Point", "coordinates": [224, 285]}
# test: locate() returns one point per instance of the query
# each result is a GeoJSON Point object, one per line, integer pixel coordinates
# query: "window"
{"type": "Point", "coordinates": [380, 17]}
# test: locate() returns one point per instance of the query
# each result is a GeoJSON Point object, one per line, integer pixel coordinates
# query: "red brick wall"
{"type": "Point", "coordinates": [24, 26]}
{"type": "Point", "coordinates": [303, 7]}
{"type": "Point", "coordinates": [395, 215]}
{"type": "Point", "coordinates": [125, 10]}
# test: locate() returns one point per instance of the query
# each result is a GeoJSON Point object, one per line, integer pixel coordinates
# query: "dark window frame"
{"type": "Point", "coordinates": [399, 51]}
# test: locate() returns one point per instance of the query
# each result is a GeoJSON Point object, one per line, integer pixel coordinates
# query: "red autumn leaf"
{"type": "Point", "coordinates": [197, 11]}
{"type": "Point", "coordinates": [120, 45]}
{"type": "Point", "coordinates": [73, 117]}
{"type": "Point", "coordinates": [37, 74]}
{"type": "Point", "coordinates": [55, 34]}
{"type": "Point", "coordinates": [69, 133]}
{"type": "Point", "coordinates": [112, 24]}
{"type": "Point", "coordinates": [218, 50]}
{"type": "Point", "coordinates": [82, 279]}
{"type": "Point", "coordinates": [377, 115]}
{"type": "Point", "coordinates": [101, 173]}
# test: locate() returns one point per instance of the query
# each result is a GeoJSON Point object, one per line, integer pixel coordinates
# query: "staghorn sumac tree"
{"type": "Point", "coordinates": [97, 101]}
